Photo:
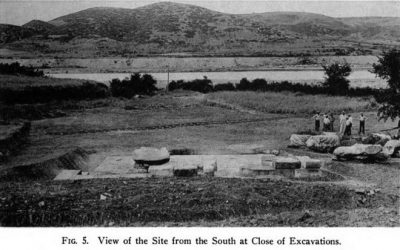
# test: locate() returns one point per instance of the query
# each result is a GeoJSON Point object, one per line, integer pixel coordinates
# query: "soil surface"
{"type": "Point", "coordinates": [189, 201]}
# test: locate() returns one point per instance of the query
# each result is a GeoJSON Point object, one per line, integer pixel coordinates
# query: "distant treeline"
{"type": "Point", "coordinates": [205, 86]}
{"type": "Point", "coordinates": [145, 84]}
{"type": "Point", "coordinates": [17, 69]}
{"type": "Point", "coordinates": [48, 93]}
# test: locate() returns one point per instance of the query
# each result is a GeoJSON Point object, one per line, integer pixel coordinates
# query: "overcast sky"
{"type": "Point", "coordinates": [21, 11]}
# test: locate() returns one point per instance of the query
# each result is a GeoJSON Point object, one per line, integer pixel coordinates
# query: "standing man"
{"type": "Point", "coordinates": [342, 120]}
{"type": "Point", "coordinates": [327, 123]}
{"type": "Point", "coordinates": [332, 119]}
{"type": "Point", "coordinates": [349, 125]}
{"type": "Point", "coordinates": [362, 124]}
{"type": "Point", "coordinates": [317, 118]}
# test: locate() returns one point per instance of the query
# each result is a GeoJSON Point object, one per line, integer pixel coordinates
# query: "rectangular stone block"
{"type": "Point", "coordinates": [286, 163]}
{"type": "Point", "coordinates": [313, 164]}
{"type": "Point", "coordinates": [309, 163]}
{"type": "Point", "coordinates": [162, 170]}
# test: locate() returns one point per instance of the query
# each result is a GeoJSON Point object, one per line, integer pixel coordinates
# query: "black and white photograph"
{"type": "Point", "coordinates": [199, 114]}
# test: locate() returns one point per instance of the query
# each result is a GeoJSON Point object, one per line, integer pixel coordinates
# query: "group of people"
{"type": "Point", "coordinates": [345, 123]}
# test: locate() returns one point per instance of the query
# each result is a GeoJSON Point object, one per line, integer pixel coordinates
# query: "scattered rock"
{"type": "Point", "coordinates": [105, 196]}
{"type": "Point", "coordinates": [41, 204]}
{"type": "Point", "coordinates": [151, 156]}
{"type": "Point", "coordinates": [323, 143]}
{"type": "Point", "coordinates": [360, 191]}
{"type": "Point", "coordinates": [376, 138]}
{"type": "Point", "coordinates": [392, 147]}
{"type": "Point", "coordinates": [360, 151]}
{"type": "Point", "coordinates": [297, 140]}
{"type": "Point", "coordinates": [349, 142]}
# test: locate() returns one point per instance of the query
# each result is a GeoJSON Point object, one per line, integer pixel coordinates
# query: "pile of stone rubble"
{"type": "Point", "coordinates": [375, 147]}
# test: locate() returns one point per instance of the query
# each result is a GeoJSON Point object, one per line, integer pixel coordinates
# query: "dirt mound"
{"type": "Point", "coordinates": [12, 137]}
{"type": "Point", "coordinates": [48, 168]}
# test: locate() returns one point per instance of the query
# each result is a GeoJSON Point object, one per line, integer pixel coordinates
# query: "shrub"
{"type": "Point", "coordinates": [174, 85]}
{"type": "Point", "coordinates": [135, 85]}
{"type": "Point", "coordinates": [263, 85]}
{"type": "Point", "coordinates": [244, 84]}
{"type": "Point", "coordinates": [17, 69]}
{"type": "Point", "coordinates": [200, 85]}
{"type": "Point", "coordinates": [224, 87]}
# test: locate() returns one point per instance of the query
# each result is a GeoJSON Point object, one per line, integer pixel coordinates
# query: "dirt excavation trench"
{"type": "Point", "coordinates": [49, 168]}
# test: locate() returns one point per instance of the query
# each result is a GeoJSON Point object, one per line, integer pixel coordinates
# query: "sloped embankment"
{"type": "Point", "coordinates": [12, 137]}
{"type": "Point", "coordinates": [48, 168]}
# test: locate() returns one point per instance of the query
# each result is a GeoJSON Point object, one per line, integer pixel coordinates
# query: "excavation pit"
{"type": "Point", "coordinates": [223, 166]}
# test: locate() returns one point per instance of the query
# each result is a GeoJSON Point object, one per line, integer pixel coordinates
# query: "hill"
{"type": "Point", "coordinates": [39, 26]}
{"type": "Point", "coordinates": [9, 33]}
{"type": "Point", "coordinates": [163, 22]}
{"type": "Point", "coordinates": [166, 27]}
{"type": "Point", "coordinates": [387, 28]}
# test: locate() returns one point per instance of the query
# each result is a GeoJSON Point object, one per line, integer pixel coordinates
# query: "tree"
{"type": "Point", "coordinates": [335, 79]}
{"type": "Point", "coordinates": [136, 84]}
{"type": "Point", "coordinates": [388, 68]}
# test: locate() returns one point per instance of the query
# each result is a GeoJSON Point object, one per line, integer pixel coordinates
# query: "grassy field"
{"type": "Point", "coordinates": [293, 103]}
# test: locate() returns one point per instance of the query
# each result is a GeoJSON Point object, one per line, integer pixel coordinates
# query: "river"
{"type": "Point", "coordinates": [360, 78]}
